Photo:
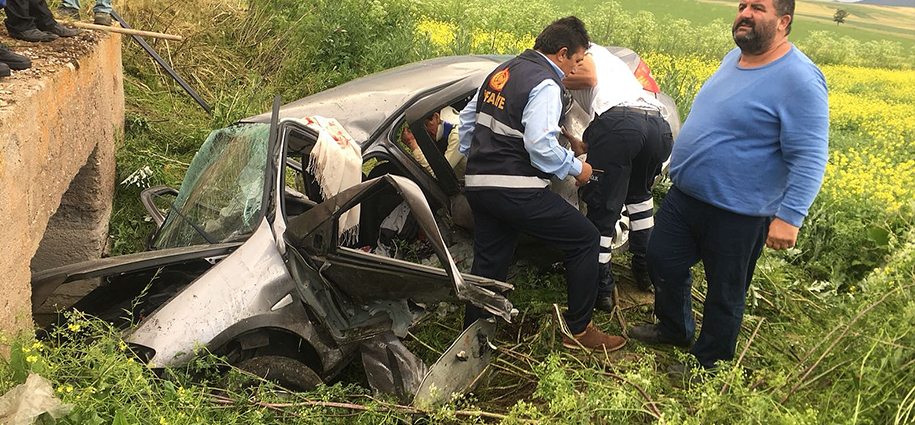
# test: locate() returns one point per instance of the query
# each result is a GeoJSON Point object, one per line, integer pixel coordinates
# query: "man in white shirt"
{"type": "Point", "coordinates": [627, 142]}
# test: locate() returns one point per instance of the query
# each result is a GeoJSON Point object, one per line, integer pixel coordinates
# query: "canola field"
{"type": "Point", "coordinates": [873, 116]}
{"type": "Point", "coordinates": [867, 196]}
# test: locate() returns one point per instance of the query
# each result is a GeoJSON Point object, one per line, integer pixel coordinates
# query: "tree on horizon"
{"type": "Point", "coordinates": [840, 16]}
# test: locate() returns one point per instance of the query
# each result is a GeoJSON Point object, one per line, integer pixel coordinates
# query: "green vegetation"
{"type": "Point", "coordinates": [828, 333]}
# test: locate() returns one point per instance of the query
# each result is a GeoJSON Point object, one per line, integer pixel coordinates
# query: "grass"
{"type": "Point", "coordinates": [833, 344]}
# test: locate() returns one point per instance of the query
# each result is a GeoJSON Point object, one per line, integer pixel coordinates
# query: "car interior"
{"type": "Point", "coordinates": [302, 191]}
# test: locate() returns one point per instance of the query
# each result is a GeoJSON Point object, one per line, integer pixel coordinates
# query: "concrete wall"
{"type": "Point", "coordinates": [57, 160]}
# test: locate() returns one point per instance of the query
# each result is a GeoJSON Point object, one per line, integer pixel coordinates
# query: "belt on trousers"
{"type": "Point", "coordinates": [634, 110]}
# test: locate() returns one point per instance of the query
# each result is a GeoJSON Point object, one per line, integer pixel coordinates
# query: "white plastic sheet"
{"type": "Point", "coordinates": [26, 402]}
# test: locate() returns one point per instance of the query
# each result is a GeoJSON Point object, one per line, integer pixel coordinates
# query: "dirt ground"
{"type": "Point", "coordinates": [46, 58]}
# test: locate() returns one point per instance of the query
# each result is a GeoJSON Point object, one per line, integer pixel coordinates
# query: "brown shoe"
{"type": "Point", "coordinates": [594, 339]}
{"type": "Point", "coordinates": [102, 18]}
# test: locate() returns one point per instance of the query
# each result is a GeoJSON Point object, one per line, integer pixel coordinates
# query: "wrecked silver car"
{"type": "Point", "coordinates": [252, 269]}
{"type": "Point", "coordinates": [249, 261]}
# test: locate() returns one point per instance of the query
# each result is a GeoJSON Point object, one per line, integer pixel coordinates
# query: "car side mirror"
{"type": "Point", "coordinates": [148, 198]}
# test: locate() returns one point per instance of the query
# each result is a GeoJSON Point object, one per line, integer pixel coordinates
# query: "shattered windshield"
{"type": "Point", "coordinates": [222, 193]}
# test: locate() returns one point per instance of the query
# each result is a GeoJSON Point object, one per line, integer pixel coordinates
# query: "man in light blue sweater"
{"type": "Point", "coordinates": [746, 166]}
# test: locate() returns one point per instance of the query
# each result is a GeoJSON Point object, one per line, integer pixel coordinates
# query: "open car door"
{"type": "Point", "coordinates": [371, 300]}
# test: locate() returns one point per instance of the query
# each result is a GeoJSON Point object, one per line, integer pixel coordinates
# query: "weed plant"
{"type": "Point", "coordinates": [91, 368]}
{"type": "Point", "coordinates": [828, 335]}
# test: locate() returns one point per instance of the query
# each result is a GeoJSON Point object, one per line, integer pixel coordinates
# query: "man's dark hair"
{"type": "Point", "coordinates": [782, 8]}
{"type": "Point", "coordinates": [566, 32]}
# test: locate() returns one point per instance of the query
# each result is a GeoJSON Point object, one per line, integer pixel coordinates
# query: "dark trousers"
{"type": "Point", "coordinates": [22, 15]}
{"type": "Point", "coordinates": [500, 215]}
{"type": "Point", "coordinates": [629, 147]}
{"type": "Point", "coordinates": [688, 230]}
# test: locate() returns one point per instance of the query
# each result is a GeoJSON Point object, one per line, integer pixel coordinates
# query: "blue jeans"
{"type": "Point", "coordinates": [686, 231]}
{"type": "Point", "coordinates": [103, 6]}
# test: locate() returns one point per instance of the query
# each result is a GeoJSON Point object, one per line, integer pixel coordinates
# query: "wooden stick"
{"type": "Point", "coordinates": [129, 31]}
{"type": "Point", "coordinates": [508, 371]}
{"type": "Point", "coordinates": [428, 347]}
{"type": "Point", "coordinates": [743, 353]}
{"type": "Point", "coordinates": [384, 408]}
{"type": "Point", "coordinates": [815, 378]}
{"type": "Point", "coordinates": [618, 313]}
{"type": "Point", "coordinates": [653, 408]}
{"type": "Point", "coordinates": [761, 338]}
{"type": "Point", "coordinates": [564, 329]}
{"type": "Point", "coordinates": [839, 338]}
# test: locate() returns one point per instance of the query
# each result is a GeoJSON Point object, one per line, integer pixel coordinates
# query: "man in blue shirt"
{"type": "Point", "coordinates": [508, 133]}
{"type": "Point", "coordinates": [746, 166]}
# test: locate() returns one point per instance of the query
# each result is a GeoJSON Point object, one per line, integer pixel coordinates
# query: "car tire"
{"type": "Point", "coordinates": [287, 372]}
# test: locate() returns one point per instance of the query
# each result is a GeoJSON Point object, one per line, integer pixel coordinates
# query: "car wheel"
{"type": "Point", "coordinates": [289, 373]}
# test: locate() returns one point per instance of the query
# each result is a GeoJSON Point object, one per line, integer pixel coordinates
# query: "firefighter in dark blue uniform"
{"type": "Point", "coordinates": [508, 133]}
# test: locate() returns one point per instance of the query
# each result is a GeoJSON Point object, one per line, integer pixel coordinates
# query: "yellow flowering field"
{"type": "Point", "coordinates": [872, 122]}
{"type": "Point", "coordinates": [679, 77]}
{"type": "Point", "coordinates": [869, 186]}
{"type": "Point", "coordinates": [448, 38]}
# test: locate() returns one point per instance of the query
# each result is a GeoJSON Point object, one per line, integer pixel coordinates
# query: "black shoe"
{"type": "Point", "coordinates": [61, 31]}
{"type": "Point", "coordinates": [605, 284]}
{"type": "Point", "coordinates": [4, 70]}
{"type": "Point", "coordinates": [652, 335]}
{"type": "Point", "coordinates": [33, 35]}
{"type": "Point", "coordinates": [68, 12]}
{"type": "Point", "coordinates": [605, 304]}
{"type": "Point", "coordinates": [13, 60]}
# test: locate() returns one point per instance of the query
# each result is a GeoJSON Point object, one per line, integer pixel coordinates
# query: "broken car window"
{"type": "Point", "coordinates": [223, 190]}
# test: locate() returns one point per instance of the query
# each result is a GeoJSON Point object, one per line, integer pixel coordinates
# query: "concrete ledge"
{"type": "Point", "coordinates": [62, 123]}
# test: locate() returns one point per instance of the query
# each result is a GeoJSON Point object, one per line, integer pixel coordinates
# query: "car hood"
{"type": "Point", "coordinates": [362, 105]}
{"type": "Point", "coordinates": [44, 283]}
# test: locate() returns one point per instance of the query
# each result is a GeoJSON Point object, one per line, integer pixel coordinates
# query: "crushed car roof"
{"type": "Point", "coordinates": [363, 104]}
